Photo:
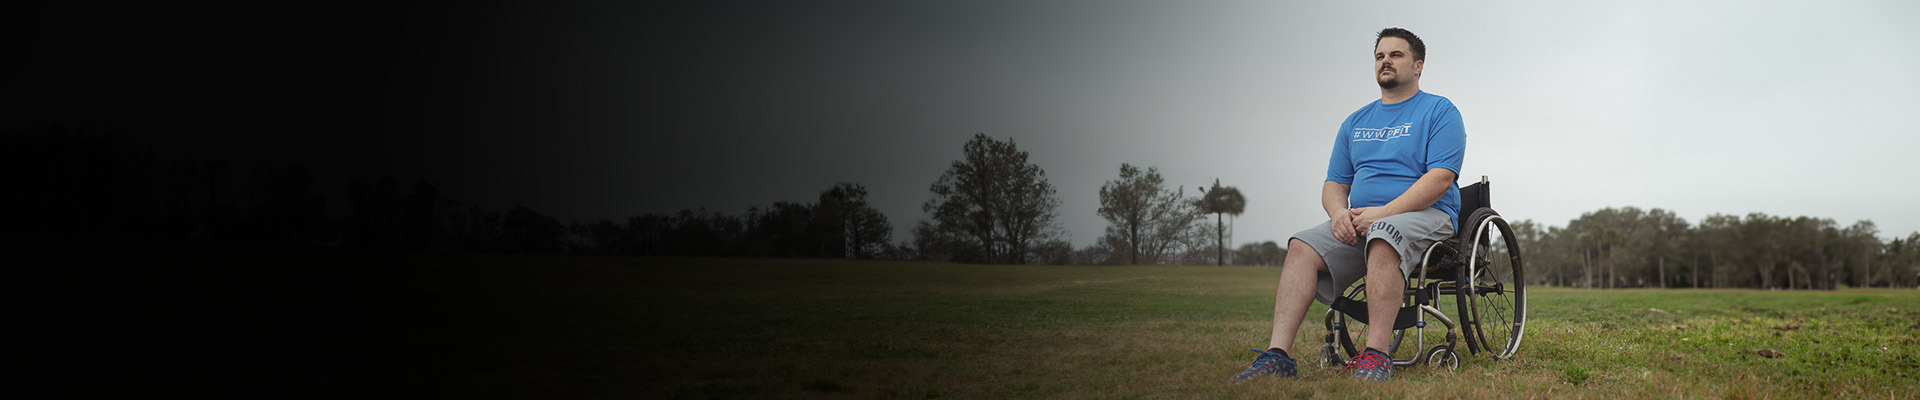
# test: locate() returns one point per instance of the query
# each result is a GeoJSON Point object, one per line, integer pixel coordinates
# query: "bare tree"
{"type": "Point", "coordinates": [847, 227]}
{"type": "Point", "coordinates": [990, 206]}
{"type": "Point", "coordinates": [1144, 219]}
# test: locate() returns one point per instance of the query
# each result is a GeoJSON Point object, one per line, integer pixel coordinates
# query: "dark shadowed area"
{"type": "Point", "coordinates": [225, 199]}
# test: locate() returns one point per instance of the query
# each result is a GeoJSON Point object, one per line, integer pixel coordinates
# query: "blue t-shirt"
{"type": "Point", "coordinates": [1383, 148]}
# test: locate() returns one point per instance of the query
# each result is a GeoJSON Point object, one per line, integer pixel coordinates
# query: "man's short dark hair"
{"type": "Point", "coordinates": [1419, 47]}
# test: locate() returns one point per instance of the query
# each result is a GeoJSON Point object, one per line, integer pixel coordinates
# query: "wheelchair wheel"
{"type": "Point", "coordinates": [1328, 357]}
{"type": "Point", "coordinates": [1443, 356]}
{"type": "Point", "coordinates": [1495, 286]}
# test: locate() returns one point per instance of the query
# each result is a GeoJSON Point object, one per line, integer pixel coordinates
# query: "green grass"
{"type": "Point", "coordinates": [477, 326]}
{"type": "Point", "coordinates": [750, 328]}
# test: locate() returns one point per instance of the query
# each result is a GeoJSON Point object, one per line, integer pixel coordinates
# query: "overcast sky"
{"type": "Point", "coordinates": [586, 110]}
{"type": "Point", "coordinates": [1733, 107]}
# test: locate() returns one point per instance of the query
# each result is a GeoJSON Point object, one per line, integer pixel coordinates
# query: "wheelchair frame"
{"type": "Point", "coordinates": [1421, 294]}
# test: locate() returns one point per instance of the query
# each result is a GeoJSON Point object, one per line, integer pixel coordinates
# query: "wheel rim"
{"type": "Point", "coordinates": [1443, 357]}
{"type": "Point", "coordinates": [1497, 293]}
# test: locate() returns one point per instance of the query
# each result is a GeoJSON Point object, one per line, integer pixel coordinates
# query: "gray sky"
{"type": "Point", "coordinates": [588, 110]}
{"type": "Point", "coordinates": [1697, 107]}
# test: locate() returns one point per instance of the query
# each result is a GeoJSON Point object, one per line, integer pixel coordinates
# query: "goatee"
{"type": "Point", "coordinates": [1389, 84]}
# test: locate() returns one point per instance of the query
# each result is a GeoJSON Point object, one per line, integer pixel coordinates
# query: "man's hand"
{"type": "Point", "coordinates": [1422, 195]}
{"type": "Point", "coordinates": [1343, 228]}
{"type": "Point", "coordinates": [1364, 217]}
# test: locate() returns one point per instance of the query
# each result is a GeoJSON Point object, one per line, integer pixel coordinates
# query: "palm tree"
{"type": "Point", "coordinates": [1219, 200]}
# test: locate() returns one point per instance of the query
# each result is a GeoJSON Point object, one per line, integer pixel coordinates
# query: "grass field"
{"type": "Point", "coordinates": [724, 328]}
{"type": "Point", "coordinates": [589, 327]}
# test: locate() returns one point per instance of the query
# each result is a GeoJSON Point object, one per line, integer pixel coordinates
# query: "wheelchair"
{"type": "Point", "coordinates": [1479, 270]}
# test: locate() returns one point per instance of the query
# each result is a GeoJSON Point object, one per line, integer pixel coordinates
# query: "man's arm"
{"type": "Point", "coordinates": [1333, 197]}
{"type": "Point", "coordinates": [1420, 196]}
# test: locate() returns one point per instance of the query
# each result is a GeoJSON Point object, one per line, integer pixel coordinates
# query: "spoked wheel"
{"type": "Point", "coordinates": [1496, 296]}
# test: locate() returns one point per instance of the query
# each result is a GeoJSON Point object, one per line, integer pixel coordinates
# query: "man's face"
{"type": "Point", "coordinates": [1393, 63]}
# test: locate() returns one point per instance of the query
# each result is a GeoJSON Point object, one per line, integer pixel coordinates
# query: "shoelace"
{"type": "Point", "coordinates": [1367, 361]}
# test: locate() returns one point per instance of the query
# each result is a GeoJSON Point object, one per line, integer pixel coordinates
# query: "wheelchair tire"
{"type": "Point", "coordinates": [1329, 357]}
{"type": "Point", "coordinates": [1443, 356]}
{"type": "Point", "coordinates": [1494, 286]}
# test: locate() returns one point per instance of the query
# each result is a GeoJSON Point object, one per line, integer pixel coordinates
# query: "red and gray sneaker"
{"type": "Point", "coordinates": [1372, 365]}
{"type": "Point", "coordinates": [1270, 362]}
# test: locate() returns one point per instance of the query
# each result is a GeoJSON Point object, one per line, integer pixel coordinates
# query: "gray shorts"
{"type": "Point", "coordinates": [1410, 233]}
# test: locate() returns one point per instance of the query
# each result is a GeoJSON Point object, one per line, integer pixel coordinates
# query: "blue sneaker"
{"type": "Point", "coordinates": [1270, 362]}
{"type": "Point", "coordinates": [1372, 365]}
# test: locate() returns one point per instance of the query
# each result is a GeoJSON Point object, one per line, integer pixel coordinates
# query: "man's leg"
{"type": "Point", "coordinates": [1299, 277]}
{"type": "Point", "coordinates": [1299, 281]}
{"type": "Point", "coordinates": [1386, 285]}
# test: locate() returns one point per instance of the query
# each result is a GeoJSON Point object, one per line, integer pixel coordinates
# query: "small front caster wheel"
{"type": "Point", "coordinates": [1443, 356]}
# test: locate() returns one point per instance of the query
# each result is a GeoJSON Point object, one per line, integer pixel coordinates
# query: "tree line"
{"type": "Point", "coordinates": [840, 225]}
{"type": "Point", "coordinates": [1630, 247]}
{"type": "Point", "coordinates": [1150, 223]}
{"type": "Point", "coordinates": [87, 184]}
{"type": "Point", "coordinates": [993, 205]}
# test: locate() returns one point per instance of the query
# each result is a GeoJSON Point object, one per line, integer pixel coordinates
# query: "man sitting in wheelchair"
{"type": "Point", "coordinates": [1389, 195]}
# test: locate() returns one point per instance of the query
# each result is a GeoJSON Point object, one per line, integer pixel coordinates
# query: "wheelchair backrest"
{"type": "Point", "coordinates": [1472, 197]}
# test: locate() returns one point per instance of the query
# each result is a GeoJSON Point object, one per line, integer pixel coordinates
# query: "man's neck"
{"type": "Point", "coordinates": [1399, 94]}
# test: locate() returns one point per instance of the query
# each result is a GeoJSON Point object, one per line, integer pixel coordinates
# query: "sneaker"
{"type": "Point", "coordinates": [1372, 365]}
{"type": "Point", "coordinates": [1270, 362]}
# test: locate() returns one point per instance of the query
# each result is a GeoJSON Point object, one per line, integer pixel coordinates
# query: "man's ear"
{"type": "Point", "coordinates": [1417, 66]}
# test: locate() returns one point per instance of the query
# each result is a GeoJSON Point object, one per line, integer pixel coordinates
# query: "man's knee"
{"type": "Point", "coordinates": [1294, 246]}
{"type": "Point", "coordinates": [1379, 252]}
{"type": "Point", "coordinates": [1301, 253]}
{"type": "Point", "coordinates": [1383, 261]}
